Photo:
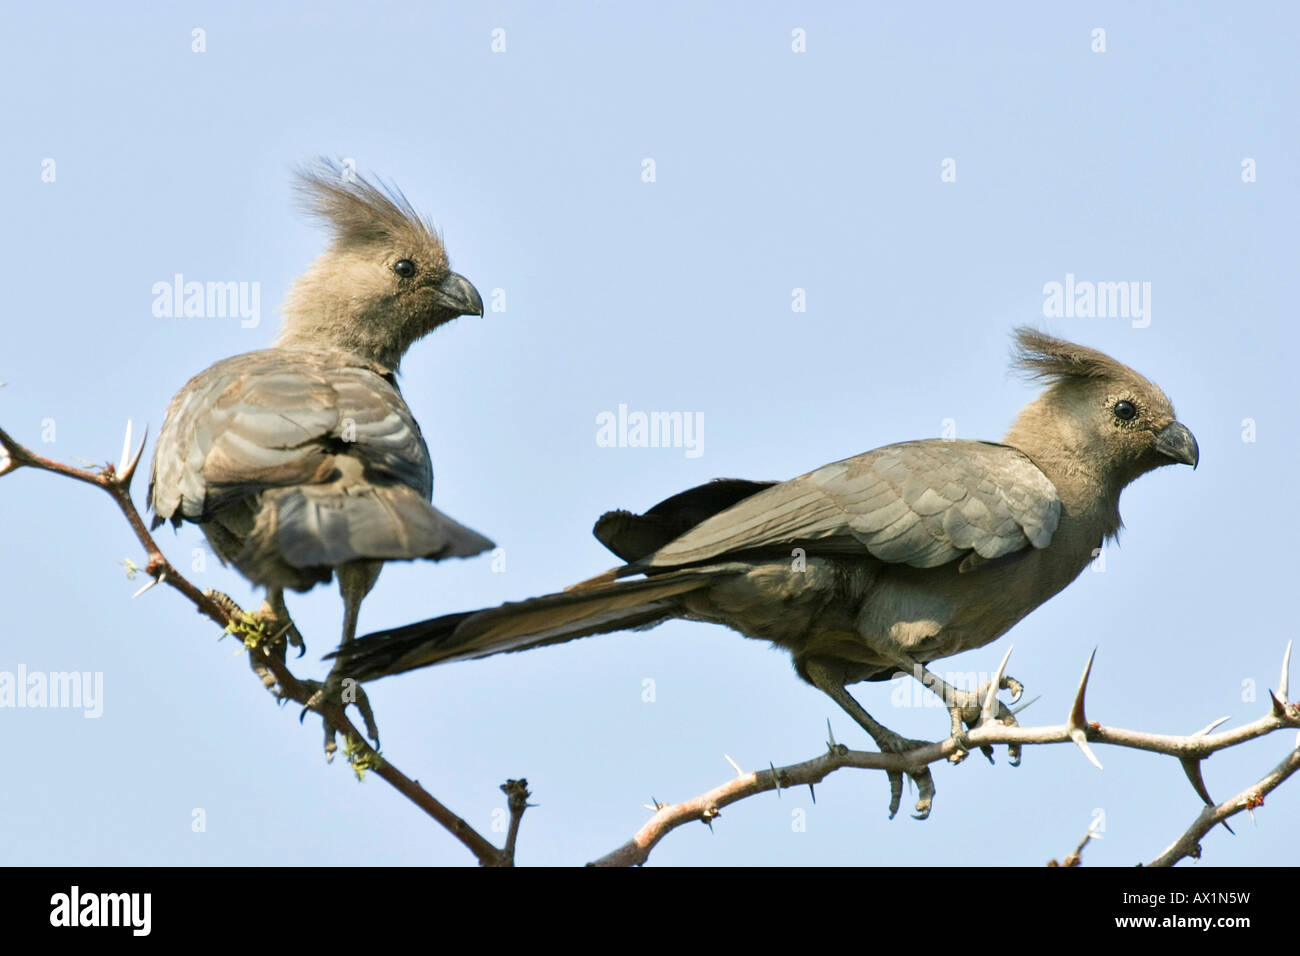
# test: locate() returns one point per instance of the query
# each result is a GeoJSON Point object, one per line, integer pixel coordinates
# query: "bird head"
{"type": "Point", "coordinates": [383, 283]}
{"type": "Point", "coordinates": [1098, 419]}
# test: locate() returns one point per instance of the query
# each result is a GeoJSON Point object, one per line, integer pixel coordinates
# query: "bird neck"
{"type": "Point", "coordinates": [335, 329]}
{"type": "Point", "coordinates": [1089, 492]}
{"type": "Point", "coordinates": [337, 305]}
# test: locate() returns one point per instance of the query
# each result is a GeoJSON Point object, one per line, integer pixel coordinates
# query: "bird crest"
{"type": "Point", "coordinates": [360, 211]}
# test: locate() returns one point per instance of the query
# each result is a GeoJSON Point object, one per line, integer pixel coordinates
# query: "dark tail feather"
{"type": "Point", "coordinates": [520, 625]}
{"type": "Point", "coordinates": [633, 537]}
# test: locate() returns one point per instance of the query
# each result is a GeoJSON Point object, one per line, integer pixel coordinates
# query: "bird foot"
{"type": "Point", "coordinates": [966, 708]}
{"type": "Point", "coordinates": [341, 691]}
{"type": "Point", "coordinates": [266, 627]}
{"type": "Point", "coordinates": [276, 621]}
{"type": "Point", "coordinates": [890, 742]}
{"type": "Point", "coordinates": [967, 712]}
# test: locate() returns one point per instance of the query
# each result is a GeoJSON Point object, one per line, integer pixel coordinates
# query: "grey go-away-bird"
{"type": "Point", "coordinates": [868, 566]}
{"type": "Point", "coordinates": [303, 461]}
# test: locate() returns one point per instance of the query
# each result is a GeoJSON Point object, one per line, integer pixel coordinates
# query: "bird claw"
{"type": "Point", "coordinates": [891, 742]}
{"type": "Point", "coordinates": [321, 692]}
{"type": "Point", "coordinates": [967, 711]}
{"type": "Point", "coordinates": [267, 628]}
{"type": "Point", "coordinates": [280, 626]}
{"type": "Point", "coordinates": [962, 741]}
{"type": "Point", "coordinates": [333, 689]}
{"type": "Point", "coordinates": [1005, 682]}
{"type": "Point", "coordinates": [1013, 754]}
{"type": "Point", "coordinates": [1017, 689]}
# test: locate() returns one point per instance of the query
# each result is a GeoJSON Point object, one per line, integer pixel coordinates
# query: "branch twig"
{"type": "Point", "coordinates": [1188, 845]}
{"type": "Point", "coordinates": [517, 792]}
{"type": "Point", "coordinates": [1192, 747]}
{"type": "Point", "coordinates": [116, 481]}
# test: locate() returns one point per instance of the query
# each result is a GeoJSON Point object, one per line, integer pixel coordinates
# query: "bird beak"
{"type": "Point", "coordinates": [1177, 442]}
{"type": "Point", "coordinates": [457, 295]}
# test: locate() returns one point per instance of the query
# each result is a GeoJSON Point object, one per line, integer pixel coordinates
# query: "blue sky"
{"type": "Point", "coordinates": [774, 171]}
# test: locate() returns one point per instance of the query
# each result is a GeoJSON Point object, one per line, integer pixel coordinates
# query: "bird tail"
{"type": "Point", "coordinates": [520, 625]}
{"type": "Point", "coordinates": [318, 526]}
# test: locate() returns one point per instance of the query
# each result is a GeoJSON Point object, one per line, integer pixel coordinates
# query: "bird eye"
{"type": "Point", "coordinates": [1125, 411]}
{"type": "Point", "coordinates": [404, 268]}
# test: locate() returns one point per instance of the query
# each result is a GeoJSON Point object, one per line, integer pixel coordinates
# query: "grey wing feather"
{"type": "Point", "coordinates": [317, 526]}
{"type": "Point", "coordinates": [276, 418]}
{"type": "Point", "coordinates": [322, 436]}
{"type": "Point", "coordinates": [922, 503]}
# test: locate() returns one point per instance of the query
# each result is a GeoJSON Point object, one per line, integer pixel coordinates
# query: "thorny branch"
{"type": "Point", "coordinates": [1190, 750]}
{"type": "Point", "coordinates": [116, 481]}
{"type": "Point", "coordinates": [1188, 844]}
{"type": "Point", "coordinates": [517, 794]}
{"type": "Point", "coordinates": [1075, 856]}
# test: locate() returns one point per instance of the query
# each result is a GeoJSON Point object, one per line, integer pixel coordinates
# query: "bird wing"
{"type": "Point", "coordinates": [920, 503]}
{"type": "Point", "coordinates": [277, 418]}
{"type": "Point", "coordinates": [632, 536]}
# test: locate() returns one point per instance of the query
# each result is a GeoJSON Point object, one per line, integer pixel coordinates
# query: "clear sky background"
{"type": "Point", "coordinates": [775, 170]}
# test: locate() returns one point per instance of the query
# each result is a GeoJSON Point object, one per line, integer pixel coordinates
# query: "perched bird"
{"type": "Point", "coordinates": [868, 566]}
{"type": "Point", "coordinates": [303, 460]}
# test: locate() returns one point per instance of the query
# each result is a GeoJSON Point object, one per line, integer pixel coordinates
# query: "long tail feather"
{"type": "Point", "coordinates": [520, 625]}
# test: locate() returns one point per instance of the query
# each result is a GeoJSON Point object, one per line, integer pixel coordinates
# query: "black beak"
{"type": "Point", "coordinates": [1176, 442]}
{"type": "Point", "coordinates": [457, 295]}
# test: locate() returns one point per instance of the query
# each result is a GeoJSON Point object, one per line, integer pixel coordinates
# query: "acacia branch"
{"type": "Point", "coordinates": [1188, 845]}
{"type": "Point", "coordinates": [517, 793]}
{"type": "Point", "coordinates": [116, 481]}
{"type": "Point", "coordinates": [1188, 749]}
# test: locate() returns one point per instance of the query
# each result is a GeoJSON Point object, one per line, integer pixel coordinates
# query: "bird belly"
{"type": "Point", "coordinates": [790, 603]}
{"type": "Point", "coordinates": [243, 534]}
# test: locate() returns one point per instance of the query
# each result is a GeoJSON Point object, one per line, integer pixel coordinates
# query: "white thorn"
{"type": "Point", "coordinates": [1286, 668]}
{"type": "Point", "coordinates": [135, 459]}
{"type": "Point", "coordinates": [735, 766]}
{"type": "Point", "coordinates": [1080, 738]}
{"type": "Point", "coordinates": [989, 710]}
{"type": "Point", "coordinates": [1077, 715]}
{"type": "Point", "coordinates": [1031, 701]}
{"type": "Point", "coordinates": [1205, 730]}
{"type": "Point", "coordinates": [126, 448]}
{"type": "Point", "coordinates": [156, 581]}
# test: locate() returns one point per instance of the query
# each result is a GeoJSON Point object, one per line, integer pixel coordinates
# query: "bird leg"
{"type": "Point", "coordinates": [965, 707]}
{"type": "Point", "coordinates": [274, 612]}
{"type": "Point", "coordinates": [262, 632]}
{"type": "Point", "coordinates": [830, 681]}
{"type": "Point", "coordinates": [266, 626]}
{"type": "Point", "coordinates": [356, 578]}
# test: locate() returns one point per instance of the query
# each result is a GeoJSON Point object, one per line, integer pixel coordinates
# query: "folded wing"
{"type": "Point", "coordinates": [921, 503]}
